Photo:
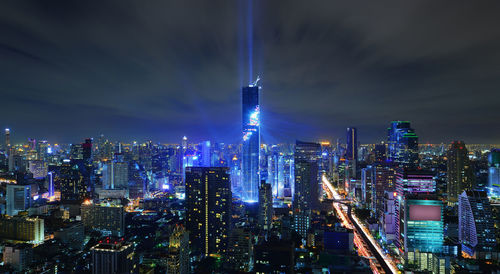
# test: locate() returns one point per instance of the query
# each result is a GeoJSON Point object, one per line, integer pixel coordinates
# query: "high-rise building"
{"type": "Point", "coordinates": [115, 175]}
{"type": "Point", "coordinates": [384, 181]}
{"type": "Point", "coordinates": [240, 250]}
{"type": "Point", "coordinates": [422, 226]}
{"type": "Point", "coordinates": [38, 168]}
{"type": "Point", "coordinates": [18, 256]}
{"type": "Point", "coordinates": [251, 143]}
{"type": "Point", "coordinates": [182, 157]}
{"type": "Point", "coordinates": [50, 181]}
{"type": "Point", "coordinates": [476, 227]}
{"type": "Point", "coordinates": [402, 144]}
{"type": "Point", "coordinates": [113, 256]}
{"type": "Point", "coordinates": [7, 140]}
{"type": "Point", "coordinates": [410, 182]}
{"type": "Point", "coordinates": [367, 180]}
{"type": "Point", "coordinates": [105, 217]}
{"type": "Point", "coordinates": [74, 180]}
{"type": "Point", "coordinates": [380, 153]}
{"type": "Point", "coordinates": [306, 196]}
{"type": "Point", "coordinates": [18, 198]}
{"type": "Point", "coordinates": [459, 171]}
{"type": "Point", "coordinates": [87, 151]}
{"type": "Point", "coordinates": [265, 206]}
{"type": "Point", "coordinates": [352, 149]}
{"type": "Point", "coordinates": [178, 251]}
{"type": "Point", "coordinates": [22, 228]}
{"type": "Point", "coordinates": [494, 174]}
{"type": "Point", "coordinates": [208, 208]}
{"type": "Point", "coordinates": [205, 154]}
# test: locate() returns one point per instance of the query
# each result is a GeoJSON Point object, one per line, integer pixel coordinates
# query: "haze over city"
{"type": "Point", "coordinates": [161, 70]}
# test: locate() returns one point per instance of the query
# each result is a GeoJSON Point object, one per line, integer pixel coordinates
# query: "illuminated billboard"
{"type": "Point", "coordinates": [425, 213]}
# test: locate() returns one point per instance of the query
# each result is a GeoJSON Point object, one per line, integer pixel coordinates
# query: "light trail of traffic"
{"type": "Point", "coordinates": [362, 249]}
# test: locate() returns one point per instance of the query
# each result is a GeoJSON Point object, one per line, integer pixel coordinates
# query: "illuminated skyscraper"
{"type": "Point", "coordinates": [306, 197]}
{"type": "Point", "coordinates": [208, 208]}
{"type": "Point", "coordinates": [87, 151]}
{"type": "Point", "coordinates": [105, 217]}
{"type": "Point", "coordinates": [402, 144]}
{"type": "Point", "coordinates": [251, 143]}
{"type": "Point", "coordinates": [18, 198]}
{"type": "Point", "coordinates": [178, 251]}
{"type": "Point", "coordinates": [115, 174]}
{"type": "Point", "coordinates": [421, 224]}
{"type": "Point", "coordinates": [205, 154]}
{"type": "Point", "coordinates": [50, 179]}
{"type": "Point", "coordinates": [7, 139]}
{"type": "Point", "coordinates": [183, 160]}
{"type": "Point", "coordinates": [22, 228]}
{"type": "Point", "coordinates": [74, 181]}
{"type": "Point", "coordinates": [265, 206]}
{"type": "Point", "coordinates": [113, 256]}
{"type": "Point", "coordinates": [494, 174]}
{"type": "Point", "coordinates": [410, 182]}
{"type": "Point", "coordinates": [460, 175]}
{"type": "Point", "coordinates": [476, 227]}
{"type": "Point", "coordinates": [352, 149]}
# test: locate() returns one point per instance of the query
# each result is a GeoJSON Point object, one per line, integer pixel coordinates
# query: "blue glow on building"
{"type": "Point", "coordinates": [423, 227]}
{"type": "Point", "coordinates": [251, 144]}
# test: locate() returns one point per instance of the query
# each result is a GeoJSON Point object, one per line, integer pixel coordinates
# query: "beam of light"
{"type": "Point", "coordinates": [250, 39]}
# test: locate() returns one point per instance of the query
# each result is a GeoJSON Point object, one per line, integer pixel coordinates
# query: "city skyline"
{"type": "Point", "coordinates": [164, 71]}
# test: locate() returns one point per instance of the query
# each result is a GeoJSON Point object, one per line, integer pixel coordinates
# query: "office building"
{"type": "Point", "coordinates": [115, 175]}
{"type": "Point", "coordinates": [23, 229]}
{"type": "Point", "coordinates": [18, 256]}
{"type": "Point", "coordinates": [402, 144]}
{"type": "Point", "coordinates": [389, 221]}
{"type": "Point", "coordinates": [38, 168]}
{"type": "Point", "coordinates": [105, 217]}
{"type": "Point", "coordinates": [476, 225]}
{"type": "Point", "coordinates": [265, 206]}
{"type": "Point", "coordinates": [113, 256]}
{"type": "Point", "coordinates": [306, 196]}
{"type": "Point", "coordinates": [87, 151]}
{"type": "Point", "coordinates": [251, 143]}
{"type": "Point", "coordinates": [205, 160]}
{"type": "Point", "coordinates": [178, 251]}
{"type": "Point", "coordinates": [208, 208]}
{"type": "Point", "coordinates": [459, 171]}
{"type": "Point", "coordinates": [352, 149]}
{"type": "Point", "coordinates": [494, 174]}
{"type": "Point", "coordinates": [379, 153]}
{"type": "Point", "coordinates": [18, 198]}
{"type": "Point", "coordinates": [74, 180]}
{"type": "Point", "coordinates": [421, 224]}
{"type": "Point", "coordinates": [412, 181]}
{"type": "Point", "coordinates": [7, 140]}
{"type": "Point", "coordinates": [367, 181]}
{"type": "Point", "coordinates": [240, 250]}
{"type": "Point", "coordinates": [385, 181]}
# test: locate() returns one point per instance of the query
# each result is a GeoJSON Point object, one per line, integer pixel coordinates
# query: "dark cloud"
{"type": "Point", "coordinates": [164, 69]}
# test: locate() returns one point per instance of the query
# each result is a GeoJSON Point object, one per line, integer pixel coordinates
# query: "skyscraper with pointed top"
{"type": "Point", "coordinates": [251, 143]}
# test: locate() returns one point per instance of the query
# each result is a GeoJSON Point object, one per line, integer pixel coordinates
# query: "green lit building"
{"type": "Point", "coordinates": [421, 224]}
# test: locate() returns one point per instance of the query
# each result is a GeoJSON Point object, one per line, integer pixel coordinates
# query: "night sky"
{"type": "Point", "coordinates": [163, 69]}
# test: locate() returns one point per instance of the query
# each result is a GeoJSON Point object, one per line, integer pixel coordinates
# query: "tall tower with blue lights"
{"type": "Point", "coordinates": [251, 142]}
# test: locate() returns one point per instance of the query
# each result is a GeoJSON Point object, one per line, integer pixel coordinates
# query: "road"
{"type": "Point", "coordinates": [363, 239]}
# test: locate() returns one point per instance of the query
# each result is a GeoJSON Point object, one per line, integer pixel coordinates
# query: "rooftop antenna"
{"type": "Point", "coordinates": [256, 81]}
